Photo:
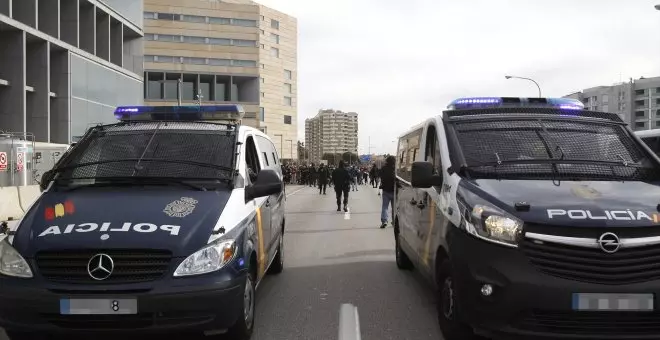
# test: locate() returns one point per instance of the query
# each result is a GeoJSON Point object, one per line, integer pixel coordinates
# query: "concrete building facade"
{"type": "Point", "coordinates": [66, 64]}
{"type": "Point", "coordinates": [331, 132]}
{"type": "Point", "coordinates": [637, 102]}
{"type": "Point", "coordinates": [225, 52]}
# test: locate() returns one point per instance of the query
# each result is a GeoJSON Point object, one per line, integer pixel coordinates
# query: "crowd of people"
{"type": "Point", "coordinates": [345, 178]}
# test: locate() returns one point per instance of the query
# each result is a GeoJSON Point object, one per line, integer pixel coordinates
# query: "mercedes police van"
{"type": "Point", "coordinates": [165, 221]}
{"type": "Point", "coordinates": [533, 218]}
{"type": "Point", "coordinates": [651, 138]}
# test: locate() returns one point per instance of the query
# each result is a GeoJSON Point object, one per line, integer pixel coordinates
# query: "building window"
{"type": "Point", "coordinates": [263, 47]}
{"type": "Point", "coordinates": [262, 114]}
{"type": "Point", "coordinates": [194, 40]}
{"type": "Point", "coordinates": [194, 61]}
{"type": "Point", "coordinates": [166, 59]}
{"type": "Point", "coordinates": [220, 41]}
{"type": "Point", "coordinates": [150, 59]}
{"type": "Point", "coordinates": [274, 24]}
{"type": "Point", "coordinates": [639, 114]}
{"type": "Point", "coordinates": [149, 37]}
{"type": "Point", "coordinates": [244, 22]}
{"type": "Point", "coordinates": [287, 101]}
{"type": "Point", "coordinates": [263, 66]}
{"type": "Point", "coordinates": [263, 18]}
{"type": "Point", "coordinates": [263, 32]}
{"type": "Point", "coordinates": [194, 18]}
{"type": "Point", "coordinates": [288, 74]}
{"type": "Point", "coordinates": [168, 16]}
{"type": "Point", "coordinates": [244, 63]}
{"type": "Point", "coordinates": [149, 15]}
{"type": "Point", "coordinates": [287, 88]}
{"type": "Point", "coordinates": [640, 124]}
{"type": "Point", "coordinates": [219, 21]}
{"type": "Point", "coordinates": [274, 52]}
{"type": "Point", "coordinates": [274, 38]}
{"type": "Point", "coordinates": [262, 80]}
{"type": "Point", "coordinates": [287, 120]}
{"type": "Point", "coordinates": [244, 43]}
{"type": "Point", "coordinates": [219, 62]}
{"type": "Point", "coordinates": [263, 94]}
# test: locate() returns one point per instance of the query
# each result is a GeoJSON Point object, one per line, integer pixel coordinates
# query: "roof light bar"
{"type": "Point", "coordinates": [229, 112]}
{"type": "Point", "coordinates": [490, 102]}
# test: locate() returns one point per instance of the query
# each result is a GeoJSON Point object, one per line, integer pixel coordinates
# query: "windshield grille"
{"type": "Point", "coordinates": [526, 147]}
{"type": "Point", "coordinates": [163, 153]}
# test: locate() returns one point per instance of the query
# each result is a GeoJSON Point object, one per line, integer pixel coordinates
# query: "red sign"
{"type": "Point", "coordinates": [3, 161]}
{"type": "Point", "coordinates": [20, 161]}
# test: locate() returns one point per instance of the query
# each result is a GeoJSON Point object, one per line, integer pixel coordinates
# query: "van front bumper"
{"type": "Point", "coordinates": [528, 303]}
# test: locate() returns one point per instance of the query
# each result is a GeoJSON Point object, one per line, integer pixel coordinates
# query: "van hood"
{"type": "Point", "coordinates": [575, 203]}
{"type": "Point", "coordinates": [177, 220]}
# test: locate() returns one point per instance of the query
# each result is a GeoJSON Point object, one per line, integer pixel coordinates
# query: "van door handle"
{"type": "Point", "coordinates": [413, 202]}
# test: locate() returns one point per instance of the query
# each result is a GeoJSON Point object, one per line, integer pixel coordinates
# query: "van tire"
{"type": "Point", "coordinates": [244, 326]}
{"type": "Point", "coordinates": [449, 317]}
{"type": "Point", "coordinates": [402, 260]}
{"type": "Point", "coordinates": [278, 262]}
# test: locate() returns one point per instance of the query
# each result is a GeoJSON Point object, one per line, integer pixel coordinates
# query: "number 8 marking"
{"type": "Point", "coordinates": [115, 305]}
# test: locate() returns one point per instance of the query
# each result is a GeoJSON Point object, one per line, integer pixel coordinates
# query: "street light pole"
{"type": "Point", "coordinates": [530, 79]}
{"type": "Point", "coordinates": [179, 90]}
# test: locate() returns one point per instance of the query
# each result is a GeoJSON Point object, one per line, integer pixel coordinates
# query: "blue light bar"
{"type": "Point", "coordinates": [492, 102]}
{"type": "Point", "coordinates": [229, 112]}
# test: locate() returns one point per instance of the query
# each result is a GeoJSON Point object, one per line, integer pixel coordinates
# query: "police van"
{"type": "Point", "coordinates": [533, 218]}
{"type": "Point", "coordinates": [167, 220]}
{"type": "Point", "coordinates": [651, 138]}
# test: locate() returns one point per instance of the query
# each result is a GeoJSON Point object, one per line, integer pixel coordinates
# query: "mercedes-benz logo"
{"type": "Point", "coordinates": [609, 243]}
{"type": "Point", "coordinates": [100, 267]}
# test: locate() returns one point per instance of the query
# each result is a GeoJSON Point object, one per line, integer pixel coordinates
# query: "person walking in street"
{"type": "Point", "coordinates": [342, 182]}
{"type": "Point", "coordinates": [388, 184]}
{"type": "Point", "coordinates": [323, 178]}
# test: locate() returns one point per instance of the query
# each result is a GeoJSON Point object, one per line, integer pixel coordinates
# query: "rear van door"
{"type": "Point", "coordinates": [274, 203]}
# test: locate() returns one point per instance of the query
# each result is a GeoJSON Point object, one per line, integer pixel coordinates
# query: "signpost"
{"type": "Point", "coordinates": [3, 161]}
{"type": "Point", "coordinates": [20, 161]}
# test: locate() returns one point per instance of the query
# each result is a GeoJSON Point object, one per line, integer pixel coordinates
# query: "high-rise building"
{"type": "Point", "coordinates": [234, 51]}
{"type": "Point", "coordinates": [331, 132]}
{"type": "Point", "coordinates": [637, 102]}
{"type": "Point", "coordinates": [66, 64]}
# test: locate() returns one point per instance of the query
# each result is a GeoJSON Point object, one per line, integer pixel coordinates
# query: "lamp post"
{"type": "Point", "coordinates": [530, 79]}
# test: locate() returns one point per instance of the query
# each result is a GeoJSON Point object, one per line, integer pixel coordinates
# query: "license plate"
{"type": "Point", "coordinates": [98, 306]}
{"type": "Point", "coordinates": [613, 302]}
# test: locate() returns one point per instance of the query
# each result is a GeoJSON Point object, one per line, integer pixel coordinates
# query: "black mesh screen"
{"type": "Point", "coordinates": [485, 143]}
{"type": "Point", "coordinates": [119, 148]}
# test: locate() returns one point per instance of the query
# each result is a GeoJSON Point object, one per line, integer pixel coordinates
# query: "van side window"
{"type": "Point", "coordinates": [409, 146]}
{"type": "Point", "coordinates": [274, 158]}
{"type": "Point", "coordinates": [266, 158]}
{"type": "Point", "coordinates": [432, 150]}
{"type": "Point", "coordinates": [252, 159]}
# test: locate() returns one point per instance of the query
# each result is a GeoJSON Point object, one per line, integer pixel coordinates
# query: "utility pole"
{"type": "Point", "coordinates": [179, 90]}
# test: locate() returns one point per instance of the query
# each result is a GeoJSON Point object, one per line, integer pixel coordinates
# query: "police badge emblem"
{"type": "Point", "coordinates": [181, 207]}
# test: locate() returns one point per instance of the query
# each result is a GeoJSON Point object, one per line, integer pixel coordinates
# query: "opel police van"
{"type": "Point", "coordinates": [165, 221]}
{"type": "Point", "coordinates": [532, 218]}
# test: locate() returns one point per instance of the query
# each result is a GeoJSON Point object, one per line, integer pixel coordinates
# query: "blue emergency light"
{"type": "Point", "coordinates": [228, 112]}
{"type": "Point", "coordinates": [492, 102]}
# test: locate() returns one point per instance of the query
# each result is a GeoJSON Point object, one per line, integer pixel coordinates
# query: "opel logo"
{"type": "Point", "coordinates": [609, 243]}
{"type": "Point", "coordinates": [100, 267]}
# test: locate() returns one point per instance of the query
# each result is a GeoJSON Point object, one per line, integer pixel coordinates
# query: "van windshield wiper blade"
{"type": "Point", "coordinates": [175, 161]}
{"type": "Point", "coordinates": [556, 161]}
{"type": "Point", "coordinates": [130, 180]}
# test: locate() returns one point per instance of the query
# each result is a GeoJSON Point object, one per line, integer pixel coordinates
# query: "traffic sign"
{"type": "Point", "coordinates": [20, 161]}
{"type": "Point", "coordinates": [3, 161]}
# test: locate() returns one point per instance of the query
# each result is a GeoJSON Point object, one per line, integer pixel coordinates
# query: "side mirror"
{"type": "Point", "coordinates": [45, 179]}
{"type": "Point", "coordinates": [422, 175]}
{"type": "Point", "coordinates": [268, 183]}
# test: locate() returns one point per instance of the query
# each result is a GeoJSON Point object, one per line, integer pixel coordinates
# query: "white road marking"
{"type": "Point", "coordinates": [293, 193]}
{"type": "Point", "coordinates": [347, 214]}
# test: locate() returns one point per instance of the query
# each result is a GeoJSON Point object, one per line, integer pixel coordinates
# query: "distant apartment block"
{"type": "Point", "coordinates": [66, 64]}
{"type": "Point", "coordinates": [225, 52]}
{"type": "Point", "coordinates": [637, 102]}
{"type": "Point", "coordinates": [331, 132]}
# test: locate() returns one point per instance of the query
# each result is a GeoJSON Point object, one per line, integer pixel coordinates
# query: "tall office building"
{"type": "Point", "coordinates": [637, 102]}
{"type": "Point", "coordinates": [331, 132]}
{"type": "Point", "coordinates": [225, 52]}
{"type": "Point", "coordinates": [66, 64]}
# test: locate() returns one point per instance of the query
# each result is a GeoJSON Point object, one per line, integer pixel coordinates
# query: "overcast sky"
{"type": "Point", "coordinates": [397, 62]}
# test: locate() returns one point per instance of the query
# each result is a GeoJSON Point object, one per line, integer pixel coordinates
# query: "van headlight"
{"type": "Point", "coordinates": [211, 258]}
{"type": "Point", "coordinates": [495, 225]}
{"type": "Point", "coordinates": [12, 263]}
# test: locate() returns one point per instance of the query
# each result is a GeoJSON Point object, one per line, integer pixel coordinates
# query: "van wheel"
{"type": "Point", "coordinates": [278, 262]}
{"type": "Point", "coordinates": [242, 329]}
{"type": "Point", "coordinates": [402, 260]}
{"type": "Point", "coordinates": [449, 318]}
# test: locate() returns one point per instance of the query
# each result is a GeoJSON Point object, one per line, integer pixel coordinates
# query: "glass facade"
{"type": "Point", "coordinates": [131, 10]}
{"type": "Point", "coordinates": [96, 91]}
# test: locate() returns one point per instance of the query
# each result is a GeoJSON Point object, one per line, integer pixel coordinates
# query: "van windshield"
{"type": "Point", "coordinates": [152, 151]}
{"type": "Point", "coordinates": [552, 148]}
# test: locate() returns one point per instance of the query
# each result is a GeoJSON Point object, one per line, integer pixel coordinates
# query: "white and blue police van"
{"type": "Point", "coordinates": [165, 221]}
{"type": "Point", "coordinates": [533, 218]}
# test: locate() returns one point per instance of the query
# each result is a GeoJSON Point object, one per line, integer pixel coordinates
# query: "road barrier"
{"type": "Point", "coordinates": [349, 322]}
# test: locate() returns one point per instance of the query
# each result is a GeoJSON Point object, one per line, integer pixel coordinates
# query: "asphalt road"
{"type": "Point", "coordinates": [333, 258]}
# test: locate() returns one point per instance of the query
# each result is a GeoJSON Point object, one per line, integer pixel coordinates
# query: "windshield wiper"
{"type": "Point", "coordinates": [131, 181]}
{"type": "Point", "coordinates": [174, 161]}
{"type": "Point", "coordinates": [555, 161]}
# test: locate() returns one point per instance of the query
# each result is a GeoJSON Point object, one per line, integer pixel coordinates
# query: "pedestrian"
{"type": "Point", "coordinates": [323, 178]}
{"type": "Point", "coordinates": [342, 182]}
{"type": "Point", "coordinates": [388, 184]}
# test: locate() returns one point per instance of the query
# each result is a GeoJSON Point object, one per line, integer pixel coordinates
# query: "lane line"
{"type": "Point", "coordinates": [293, 193]}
